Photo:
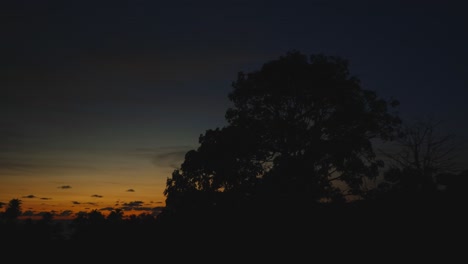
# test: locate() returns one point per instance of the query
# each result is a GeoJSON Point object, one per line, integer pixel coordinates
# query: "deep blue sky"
{"type": "Point", "coordinates": [106, 86]}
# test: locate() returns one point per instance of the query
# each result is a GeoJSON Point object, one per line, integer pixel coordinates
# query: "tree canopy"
{"type": "Point", "coordinates": [13, 210]}
{"type": "Point", "coordinates": [300, 129]}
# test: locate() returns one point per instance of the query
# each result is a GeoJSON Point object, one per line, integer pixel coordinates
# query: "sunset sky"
{"type": "Point", "coordinates": [100, 100]}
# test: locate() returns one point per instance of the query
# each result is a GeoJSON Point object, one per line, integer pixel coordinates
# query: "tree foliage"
{"type": "Point", "coordinates": [13, 209]}
{"type": "Point", "coordinates": [298, 126]}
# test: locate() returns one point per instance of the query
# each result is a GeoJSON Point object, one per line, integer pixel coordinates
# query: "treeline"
{"type": "Point", "coordinates": [85, 226]}
{"type": "Point", "coordinates": [380, 220]}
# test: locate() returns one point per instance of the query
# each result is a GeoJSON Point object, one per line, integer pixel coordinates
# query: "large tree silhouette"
{"type": "Point", "coordinates": [300, 129]}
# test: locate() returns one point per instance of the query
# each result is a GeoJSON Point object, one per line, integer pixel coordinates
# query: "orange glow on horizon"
{"type": "Point", "coordinates": [65, 197]}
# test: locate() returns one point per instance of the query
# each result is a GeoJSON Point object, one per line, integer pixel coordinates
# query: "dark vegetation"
{"type": "Point", "coordinates": [292, 168]}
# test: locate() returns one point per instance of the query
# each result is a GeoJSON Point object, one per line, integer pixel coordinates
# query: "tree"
{"type": "Point", "coordinates": [115, 216]}
{"type": "Point", "coordinates": [298, 126]}
{"type": "Point", "coordinates": [13, 209]}
{"type": "Point", "coordinates": [422, 153]}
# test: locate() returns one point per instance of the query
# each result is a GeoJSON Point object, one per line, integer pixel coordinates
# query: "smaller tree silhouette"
{"type": "Point", "coordinates": [13, 209]}
{"type": "Point", "coordinates": [423, 156]}
{"type": "Point", "coordinates": [115, 216]}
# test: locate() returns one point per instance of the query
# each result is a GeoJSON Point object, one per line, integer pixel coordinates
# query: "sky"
{"type": "Point", "coordinates": [100, 100]}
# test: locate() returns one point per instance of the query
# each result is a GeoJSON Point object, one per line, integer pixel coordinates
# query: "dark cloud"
{"type": "Point", "coordinates": [65, 187]}
{"type": "Point", "coordinates": [170, 159]}
{"type": "Point", "coordinates": [130, 190]}
{"type": "Point", "coordinates": [134, 203]}
{"type": "Point", "coordinates": [107, 209]}
{"type": "Point", "coordinates": [171, 156]}
{"type": "Point", "coordinates": [45, 198]}
{"type": "Point", "coordinates": [97, 196]}
{"type": "Point", "coordinates": [66, 213]}
{"type": "Point", "coordinates": [134, 206]}
{"type": "Point", "coordinates": [29, 196]}
{"type": "Point", "coordinates": [90, 203]}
